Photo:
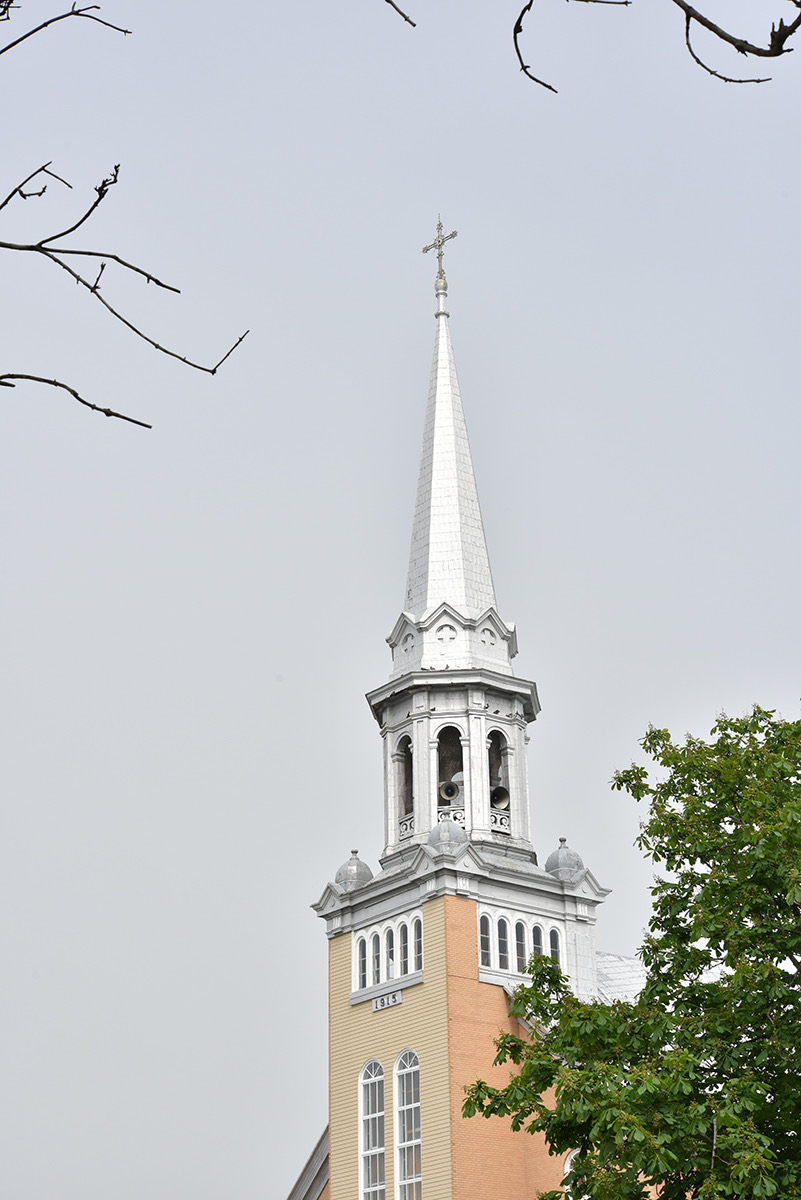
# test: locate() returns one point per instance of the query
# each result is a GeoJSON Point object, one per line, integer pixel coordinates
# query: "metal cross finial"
{"type": "Point", "coordinates": [437, 244]}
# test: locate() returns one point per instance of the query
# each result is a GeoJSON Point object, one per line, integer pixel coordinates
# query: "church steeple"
{"type": "Point", "coordinates": [450, 616]}
{"type": "Point", "coordinates": [448, 561]}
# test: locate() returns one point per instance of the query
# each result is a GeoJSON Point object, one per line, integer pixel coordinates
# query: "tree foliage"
{"type": "Point", "coordinates": [693, 1089]}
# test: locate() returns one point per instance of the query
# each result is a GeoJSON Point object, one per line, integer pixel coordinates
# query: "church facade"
{"type": "Point", "coordinates": [424, 954]}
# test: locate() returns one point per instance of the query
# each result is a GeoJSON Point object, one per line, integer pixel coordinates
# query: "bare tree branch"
{"type": "Point", "coordinates": [87, 13]}
{"type": "Point", "coordinates": [49, 247]}
{"type": "Point", "coordinates": [402, 13]}
{"type": "Point", "coordinates": [8, 377]}
{"type": "Point", "coordinates": [717, 75]}
{"type": "Point", "coordinates": [46, 248]}
{"type": "Point", "coordinates": [518, 29]}
{"type": "Point", "coordinates": [778, 33]}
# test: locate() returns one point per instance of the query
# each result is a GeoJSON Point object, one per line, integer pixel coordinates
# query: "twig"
{"type": "Point", "coordinates": [107, 412]}
{"type": "Point", "coordinates": [73, 12]}
{"type": "Point", "coordinates": [694, 56]}
{"type": "Point", "coordinates": [518, 29]}
{"type": "Point", "coordinates": [79, 279]}
{"type": "Point", "coordinates": [102, 190]}
{"type": "Point", "coordinates": [402, 13]}
{"type": "Point", "coordinates": [56, 254]}
{"type": "Point", "coordinates": [39, 171]}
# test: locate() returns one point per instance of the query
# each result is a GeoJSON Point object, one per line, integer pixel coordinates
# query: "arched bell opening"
{"type": "Point", "coordinates": [405, 777]}
{"type": "Point", "coordinates": [450, 768]}
{"type": "Point", "coordinates": [499, 796]}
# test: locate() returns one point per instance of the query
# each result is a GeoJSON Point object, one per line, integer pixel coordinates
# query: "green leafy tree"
{"type": "Point", "coordinates": [694, 1089]}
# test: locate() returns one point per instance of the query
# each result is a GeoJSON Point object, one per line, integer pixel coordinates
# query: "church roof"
{"type": "Point", "coordinates": [619, 977]}
{"type": "Point", "coordinates": [448, 561]}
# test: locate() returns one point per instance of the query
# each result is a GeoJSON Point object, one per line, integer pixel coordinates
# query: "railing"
{"type": "Point", "coordinates": [455, 814]}
{"type": "Point", "coordinates": [406, 826]}
{"type": "Point", "coordinates": [499, 821]}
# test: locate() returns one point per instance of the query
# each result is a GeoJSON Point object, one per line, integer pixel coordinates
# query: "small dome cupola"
{"type": "Point", "coordinates": [447, 837]}
{"type": "Point", "coordinates": [564, 863]}
{"type": "Point", "coordinates": [353, 874]}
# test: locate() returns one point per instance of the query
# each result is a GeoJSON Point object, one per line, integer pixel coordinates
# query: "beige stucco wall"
{"type": "Point", "coordinates": [359, 1034]}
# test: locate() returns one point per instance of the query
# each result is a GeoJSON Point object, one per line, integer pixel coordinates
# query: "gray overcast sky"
{"type": "Point", "coordinates": [192, 615]}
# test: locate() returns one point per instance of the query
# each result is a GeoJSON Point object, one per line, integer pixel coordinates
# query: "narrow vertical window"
{"type": "Point", "coordinates": [520, 946]}
{"type": "Point", "coordinates": [371, 1133]}
{"type": "Point", "coordinates": [362, 960]}
{"type": "Point", "coordinates": [389, 944]}
{"type": "Point", "coordinates": [376, 958]}
{"type": "Point", "coordinates": [418, 944]}
{"type": "Point", "coordinates": [404, 949]}
{"type": "Point", "coordinates": [407, 1136]}
{"type": "Point", "coordinates": [503, 944]}
{"type": "Point", "coordinates": [536, 940]}
{"type": "Point", "coordinates": [555, 946]}
{"type": "Point", "coordinates": [484, 939]}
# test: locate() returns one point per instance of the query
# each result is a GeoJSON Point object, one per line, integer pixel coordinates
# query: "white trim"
{"type": "Point", "coordinates": [381, 989]}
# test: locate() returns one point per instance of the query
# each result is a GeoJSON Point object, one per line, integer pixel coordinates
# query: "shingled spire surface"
{"type": "Point", "coordinates": [448, 561]}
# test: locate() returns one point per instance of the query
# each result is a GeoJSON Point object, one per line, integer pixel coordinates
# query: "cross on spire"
{"type": "Point", "coordinates": [437, 244]}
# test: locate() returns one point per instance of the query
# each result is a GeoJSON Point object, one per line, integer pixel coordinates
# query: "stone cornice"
{"type": "Point", "coordinates": [475, 676]}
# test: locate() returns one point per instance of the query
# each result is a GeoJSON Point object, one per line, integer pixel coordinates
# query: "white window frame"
{"type": "Point", "coordinates": [375, 1191]}
{"type": "Point", "coordinates": [410, 1188]}
{"type": "Point", "coordinates": [392, 926]}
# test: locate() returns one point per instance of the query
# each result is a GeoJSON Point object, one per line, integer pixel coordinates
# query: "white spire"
{"type": "Point", "coordinates": [449, 561]}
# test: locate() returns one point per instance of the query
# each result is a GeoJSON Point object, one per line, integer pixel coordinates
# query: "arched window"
{"type": "Point", "coordinates": [503, 944]}
{"type": "Point", "coordinates": [389, 946]}
{"type": "Point", "coordinates": [406, 780]}
{"type": "Point", "coordinates": [570, 1162]}
{"type": "Point", "coordinates": [407, 1127]}
{"type": "Point", "coordinates": [520, 946]}
{"type": "Point", "coordinates": [484, 940]}
{"type": "Point", "coordinates": [376, 956]}
{"type": "Point", "coordinates": [417, 929]}
{"type": "Point", "coordinates": [536, 941]}
{"type": "Point", "coordinates": [404, 949]}
{"type": "Point", "coordinates": [362, 961]}
{"type": "Point", "coordinates": [555, 946]}
{"type": "Point", "coordinates": [450, 773]}
{"type": "Point", "coordinates": [371, 1131]}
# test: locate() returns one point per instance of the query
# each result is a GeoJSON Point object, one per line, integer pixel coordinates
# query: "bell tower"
{"type": "Point", "coordinates": [453, 716]}
{"type": "Point", "coordinates": [424, 954]}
